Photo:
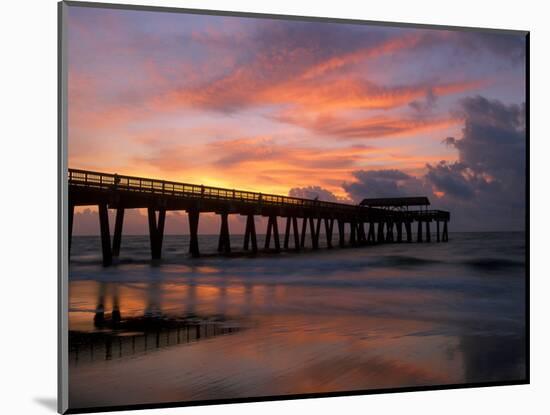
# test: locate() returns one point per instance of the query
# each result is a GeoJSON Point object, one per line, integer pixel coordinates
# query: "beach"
{"type": "Point", "coordinates": [331, 320]}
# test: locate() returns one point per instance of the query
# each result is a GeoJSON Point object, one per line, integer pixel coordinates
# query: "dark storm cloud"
{"type": "Point", "coordinates": [493, 136]}
{"type": "Point", "coordinates": [383, 183]}
{"type": "Point", "coordinates": [491, 152]}
{"type": "Point", "coordinates": [485, 188]}
{"type": "Point", "coordinates": [449, 176]}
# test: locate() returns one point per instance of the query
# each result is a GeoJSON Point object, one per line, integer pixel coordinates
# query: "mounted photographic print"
{"type": "Point", "coordinates": [258, 207]}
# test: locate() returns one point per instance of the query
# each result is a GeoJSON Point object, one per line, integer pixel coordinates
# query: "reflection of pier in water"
{"type": "Point", "coordinates": [91, 347]}
{"type": "Point", "coordinates": [118, 336]}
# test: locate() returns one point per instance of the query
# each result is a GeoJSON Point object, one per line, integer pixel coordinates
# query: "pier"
{"type": "Point", "coordinates": [373, 221]}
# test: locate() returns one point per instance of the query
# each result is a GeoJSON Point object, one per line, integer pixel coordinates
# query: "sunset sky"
{"type": "Point", "coordinates": [303, 108]}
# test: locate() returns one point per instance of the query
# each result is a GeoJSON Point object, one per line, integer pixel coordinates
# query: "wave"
{"type": "Point", "coordinates": [407, 261]}
{"type": "Point", "coordinates": [493, 264]}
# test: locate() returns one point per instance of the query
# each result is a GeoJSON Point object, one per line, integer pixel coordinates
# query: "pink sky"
{"type": "Point", "coordinates": [270, 105]}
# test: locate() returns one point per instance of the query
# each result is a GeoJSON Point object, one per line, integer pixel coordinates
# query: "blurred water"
{"type": "Point", "coordinates": [319, 321]}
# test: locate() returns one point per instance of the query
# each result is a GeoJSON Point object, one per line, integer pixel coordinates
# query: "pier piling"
{"type": "Point", "coordinates": [287, 232]}
{"type": "Point", "coordinates": [193, 215]}
{"type": "Point", "coordinates": [156, 231]}
{"type": "Point", "coordinates": [370, 236]}
{"type": "Point", "coordinates": [428, 233]}
{"type": "Point", "coordinates": [105, 235]}
{"type": "Point", "coordinates": [292, 227]}
{"type": "Point", "coordinates": [389, 232]}
{"type": "Point", "coordinates": [329, 223]}
{"type": "Point", "coordinates": [445, 235]}
{"type": "Point", "coordinates": [250, 234]}
{"type": "Point", "coordinates": [224, 244]}
{"type": "Point", "coordinates": [399, 226]}
{"type": "Point", "coordinates": [303, 234]}
{"type": "Point", "coordinates": [380, 238]}
{"type": "Point", "coordinates": [272, 228]}
{"type": "Point", "coordinates": [341, 233]}
{"type": "Point", "coordinates": [352, 233]}
{"type": "Point", "coordinates": [117, 237]}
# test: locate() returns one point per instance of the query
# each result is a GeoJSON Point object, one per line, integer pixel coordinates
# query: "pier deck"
{"type": "Point", "coordinates": [119, 192]}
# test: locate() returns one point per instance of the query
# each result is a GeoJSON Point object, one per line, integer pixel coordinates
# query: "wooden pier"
{"type": "Point", "coordinates": [374, 221]}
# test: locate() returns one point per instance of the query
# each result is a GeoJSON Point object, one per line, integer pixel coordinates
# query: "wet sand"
{"type": "Point", "coordinates": [340, 320]}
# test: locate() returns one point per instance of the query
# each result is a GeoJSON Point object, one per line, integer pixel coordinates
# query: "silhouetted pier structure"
{"type": "Point", "coordinates": [380, 216]}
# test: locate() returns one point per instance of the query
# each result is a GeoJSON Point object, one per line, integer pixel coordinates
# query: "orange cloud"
{"type": "Point", "coordinates": [243, 88]}
{"type": "Point", "coordinates": [366, 128]}
{"type": "Point", "coordinates": [346, 94]}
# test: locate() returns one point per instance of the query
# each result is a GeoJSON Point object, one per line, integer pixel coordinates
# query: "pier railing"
{"type": "Point", "coordinates": [108, 181]}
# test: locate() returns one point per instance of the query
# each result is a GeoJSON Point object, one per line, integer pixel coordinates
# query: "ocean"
{"type": "Point", "coordinates": [331, 320]}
